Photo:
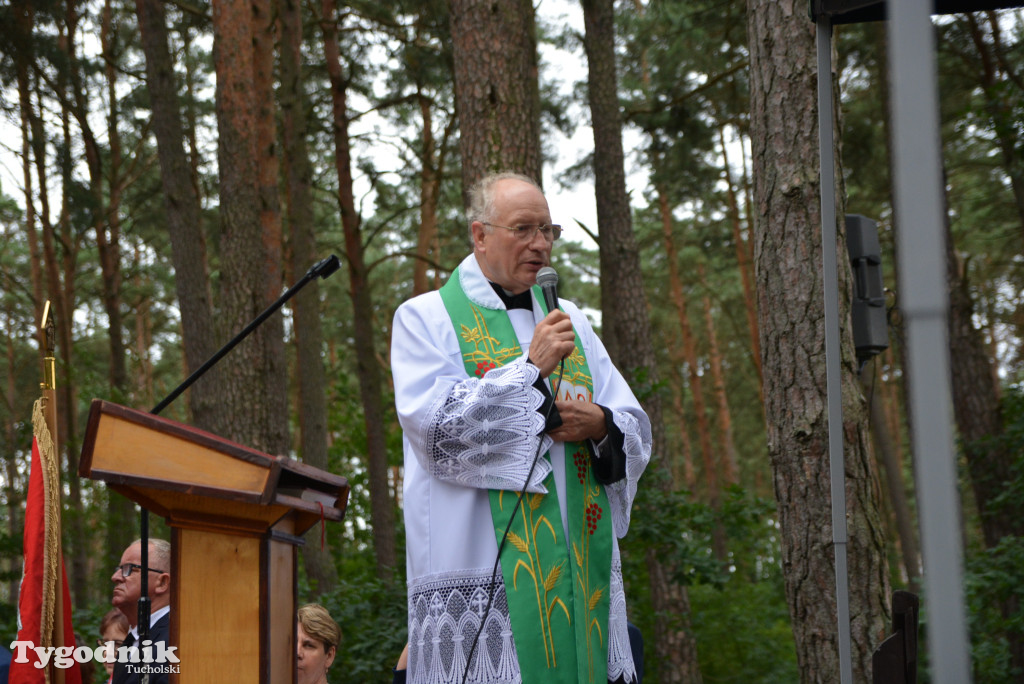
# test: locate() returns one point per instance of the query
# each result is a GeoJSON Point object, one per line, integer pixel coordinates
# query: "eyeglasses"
{"type": "Point", "coordinates": [127, 569]}
{"type": "Point", "coordinates": [526, 231]}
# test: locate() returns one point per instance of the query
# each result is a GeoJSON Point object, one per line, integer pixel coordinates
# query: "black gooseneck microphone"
{"type": "Point", "coordinates": [547, 278]}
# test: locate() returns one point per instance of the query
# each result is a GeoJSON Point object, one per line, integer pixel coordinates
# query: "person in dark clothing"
{"type": "Point", "coordinates": [127, 579]}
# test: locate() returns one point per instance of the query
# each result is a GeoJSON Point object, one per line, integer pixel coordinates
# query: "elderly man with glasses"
{"type": "Point", "coordinates": [127, 579]}
{"type": "Point", "coordinates": [496, 394]}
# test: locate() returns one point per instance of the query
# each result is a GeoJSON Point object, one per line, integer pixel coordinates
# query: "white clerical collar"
{"type": "Point", "coordinates": [477, 288]}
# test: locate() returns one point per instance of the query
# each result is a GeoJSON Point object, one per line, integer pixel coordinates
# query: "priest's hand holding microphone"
{"type": "Point", "coordinates": [553, 341]}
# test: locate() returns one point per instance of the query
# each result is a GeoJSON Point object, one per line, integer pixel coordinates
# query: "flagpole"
{"type": "Point", "coordinates": [49, 392]}
{"type": "Point", "coordinates": [49, 384]}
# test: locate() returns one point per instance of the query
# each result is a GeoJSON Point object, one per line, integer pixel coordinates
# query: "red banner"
{"type": "Point", "coordinates": [38, 606]}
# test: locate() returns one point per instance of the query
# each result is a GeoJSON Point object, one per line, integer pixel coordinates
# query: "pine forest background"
{"type": "Point", "coordinates": [168, 168]}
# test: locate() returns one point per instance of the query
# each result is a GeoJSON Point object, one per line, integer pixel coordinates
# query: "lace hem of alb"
{"type": "Point", "coordinates": [444, 617]}
{"type": "Point", "coordinates": [446, 612]}
{"type": "Point", "coordinates": [484, 432]}
{"type": "Point", "coordinates": [620, 655]}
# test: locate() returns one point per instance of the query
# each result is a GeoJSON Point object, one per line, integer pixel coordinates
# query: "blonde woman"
{"type": "Point", "coordinates": [318, 636]}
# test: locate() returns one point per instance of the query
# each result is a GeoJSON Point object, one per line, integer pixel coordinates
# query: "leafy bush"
{"type": "Point", "coordinates": [994, 577]}
{"type": "Point", "coordinates": [372, 616]}
{"type": "Point", "coordinates": [738, 610]}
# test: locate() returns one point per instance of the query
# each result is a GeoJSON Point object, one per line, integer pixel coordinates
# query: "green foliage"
{"type": "Point", "coordinates": [372, 616]}
{"type": "Point", "coordinates": [679, 529]}
{"type": "Point", "coordinates": [739, 613]}
{"type": "Point", "coordinates": [8, 620]}
{"type": "Point", "coordinates": [994, 577]}
{"type": "Point", "coordinates": [370, 611]}
{"type": "Point", "coordinates": [743, 632]}
{"type": "Point", "coordinates": [1012, 440]}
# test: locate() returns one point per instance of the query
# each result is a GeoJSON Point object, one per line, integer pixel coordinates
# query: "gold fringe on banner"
{"type": "Point", "coordinates": [51, 551]}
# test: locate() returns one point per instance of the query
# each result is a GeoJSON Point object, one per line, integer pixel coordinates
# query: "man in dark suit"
{"type": "Point", "coordinates": [127, 579]}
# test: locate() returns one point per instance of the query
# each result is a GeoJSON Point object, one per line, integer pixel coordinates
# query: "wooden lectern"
{"type": "Point", "coordinates": [236, 517]}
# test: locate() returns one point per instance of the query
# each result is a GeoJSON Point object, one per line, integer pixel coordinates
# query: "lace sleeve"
{"type": "Point", "coordinates": [484, 432]}
{"type": "Point", "coordinates": [637, 445]}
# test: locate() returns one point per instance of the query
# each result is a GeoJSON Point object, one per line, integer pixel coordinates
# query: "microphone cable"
{"type": "Point", "coordinates": [508, 527]}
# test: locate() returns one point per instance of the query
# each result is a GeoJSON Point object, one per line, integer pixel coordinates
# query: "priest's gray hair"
{"type": "Point", "coordinates": [481, 195]}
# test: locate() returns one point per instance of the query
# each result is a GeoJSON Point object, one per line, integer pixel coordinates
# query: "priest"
{"type": "Point", "coordinates": [519, 435]}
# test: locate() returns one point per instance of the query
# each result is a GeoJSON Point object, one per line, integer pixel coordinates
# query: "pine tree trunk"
{"type": "Point", "coordinates": [979, 419]}
{"type": "Point", "coordinates": [275, 363]}
{"type": "Point", "coordinates": [23, 27]}
{"type": "Point", "coordinates": [682, 465]}
{"type": "Point", "coordinates": [241, 244]}
{"type": "Point", "coordinates": [320, 568]}
{"type": "Point", "coordinates": [25, 15]}
{"type": "Point", "coordinates": [13, 487]}
{"type": "Point", "coordinates": [1004, 120]}
{"type": "Point", "coordinates": [367, 367]}
{"type": "Point", "coordinates": [727, 447]}
{"type": "Point", "coordinates": [430, 186]}
{"type": "Point", "coordinates": [252, 366]}
{"type": "Point", "coordinates": [892, 466]}
{"type": "Point", "coordinates": [120, 513]}
{"type": "Point", "coordinates": [494, 48]}
{"type": "Point", "coordinates": [143, 337]}
{"type": "Point", "coordinates": [678, 293]}
{"type": "Point", "coordinates": [105, 201]}
{"type": "Point", "coordinates": [627, 332]}
{"type": "Point", "coordinates": [62, 266]}
{"type": "Point", "coordinates": [978, 412]}
{"type": "Point", "coordinates": [788, 250]}
{"type": "Point", "coordinates": [746, 270]}
{"type": "Point", "coordinates": [191, 98]}
{"type": "Point", "coordinates": [184, 226]}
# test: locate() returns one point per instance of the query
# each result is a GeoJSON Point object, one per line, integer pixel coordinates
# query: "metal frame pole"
{"type": "Point", "coordinates": [833, 352]}
{"type": "Point", "coordinates": [925, 305]}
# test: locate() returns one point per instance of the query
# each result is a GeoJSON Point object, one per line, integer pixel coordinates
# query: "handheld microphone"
{"type": "Point", "coordinates": [547, 278]}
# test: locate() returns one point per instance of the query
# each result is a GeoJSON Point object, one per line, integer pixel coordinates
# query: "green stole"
{"type": "Point", "coordinates": [558, 601]}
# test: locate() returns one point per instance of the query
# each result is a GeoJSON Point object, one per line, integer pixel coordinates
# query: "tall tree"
{"type": "Point", "coordinates": [688, 356]}
{"type": "Point", "coordinates": [498, 100]}
{"type": "Point", "coordinates": [729, 467]}
{"type": "Point", "coordinates": [979, 420]}
{"type": "Point", "coordinates": [62, 244]}
{"type": "Point", "coordinates": [627, 333]}
{"type": "Point", "coordinates": [182, 211]}
{"type": "Point", "coordinates": [12, 405]}
{"type": "Point", "coordinates": [435, 149]}
{"type": "Point", "coordinates": [1002, 83]}
{"type": "Point", "coordinates": [742, 258]}
{"type": "Point", "coordinates": [784, 135]}
{"type": "Point", "coordinates": [120, 511]}
{"type": "Point", "coordinates": [275, 365]}
{"type": "Point", "coordinates": [312, 404]}
{"type": "Point", "coordinates": [254, 420]}
{"type": "Point", "coordinates": [23, 56]}
{"type": "Point", "coordinates": [367, 368]}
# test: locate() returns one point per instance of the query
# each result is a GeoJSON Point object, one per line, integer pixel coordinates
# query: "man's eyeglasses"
{"type": "Point", "coordinates": [526, 231]}
{"type": "Point", "coordinates": [128, 568]}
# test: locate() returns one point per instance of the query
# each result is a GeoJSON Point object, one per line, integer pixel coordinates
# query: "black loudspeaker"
{"type": "Point", "coordinates": [870, 328]}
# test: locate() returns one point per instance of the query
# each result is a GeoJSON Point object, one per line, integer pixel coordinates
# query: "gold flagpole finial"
{"type": "Point", "coordinates": [49, 363]}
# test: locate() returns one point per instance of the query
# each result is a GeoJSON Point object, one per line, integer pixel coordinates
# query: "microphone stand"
{"type": "Point", "coordinates": [322, 269]}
